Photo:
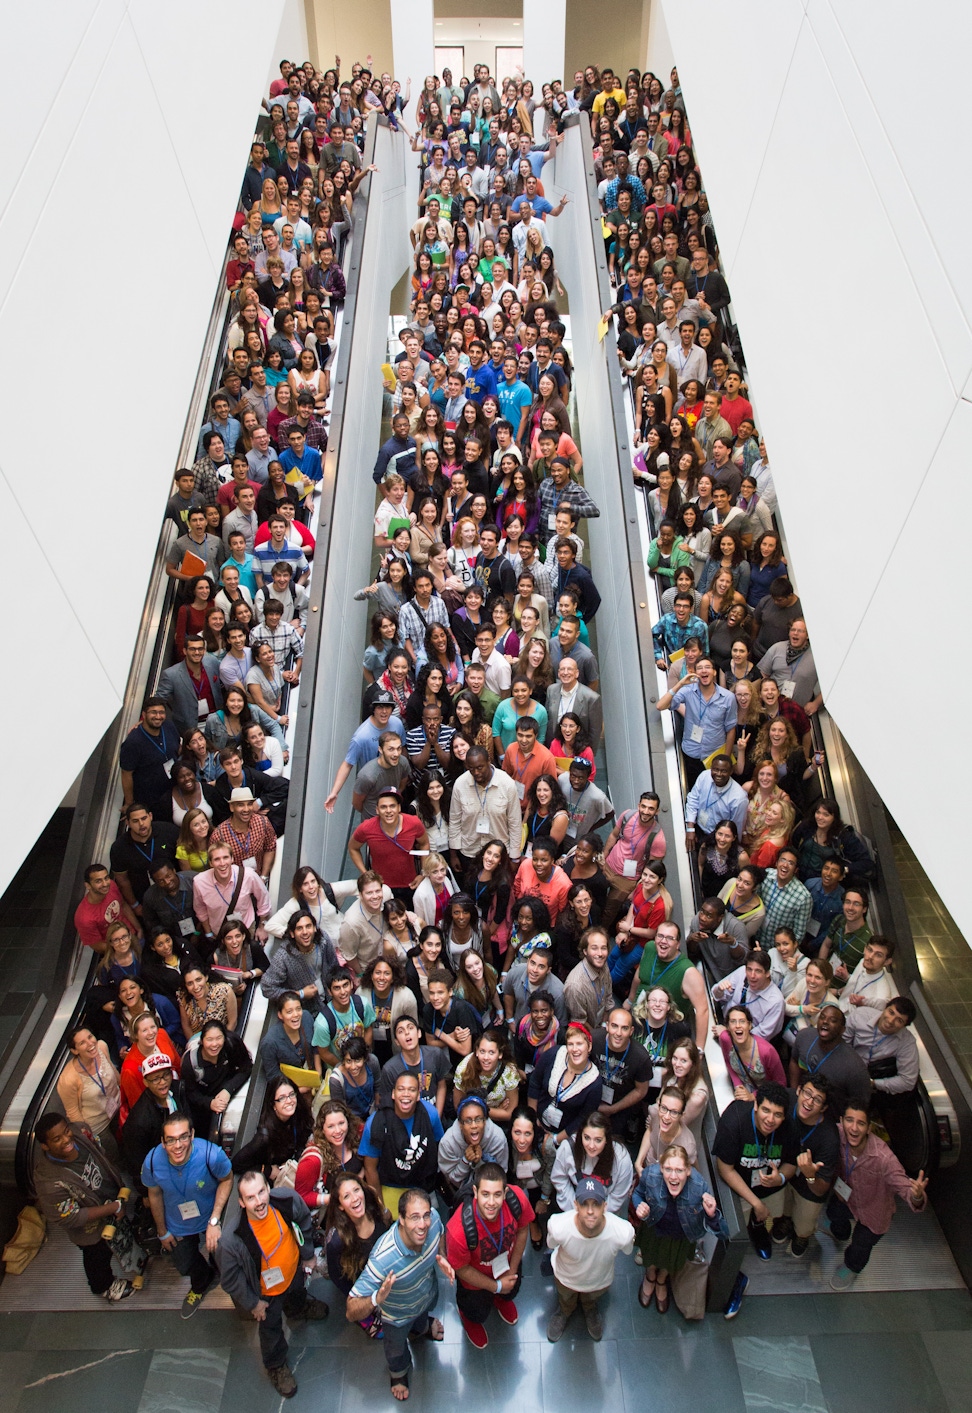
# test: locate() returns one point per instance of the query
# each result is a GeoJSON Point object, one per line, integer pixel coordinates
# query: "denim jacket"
{"type": "Point", "coordinates": [652, 1189]}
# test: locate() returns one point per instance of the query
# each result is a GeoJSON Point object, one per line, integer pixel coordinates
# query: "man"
{"type": "Point", "coordinates": [540, 877]}
{"type": "Point", "coordinates": [269, 791]}
{"type": "Point", "coordinates": [305, 460]}
{"type": "Point", "coordinates": [77, 1189]}
{"type": "Point", "coordinates": [567, 694]}
{"type": "Point", "coordinates": [723, 471]}
{"type": "Point", "coordinates": [362, 935]}
{"type": "Point", "coordinates": [719, 939]}
{"type": "Point", "coordinates": [558, 488]}
{"type": "Point", "coordinates": [139, 850]}
{"type": "Point", "coordinates": [284, 590]}
{"type": "Point", "coordinates": [625, 1070]}
{"type": "Point", "coordinates": [262, 1256]}
{"type": "Point", "coordinates": [389, 771]}
{"type": "Point", "coordinates": [514, 397]}
{"type": "Point", "coordinates": [212, 469]}
{"type": "Point", "coordinates": [146, 758]}
{"type": "Point", "coordinates": [499, 673]}
{"type": "Point", "coordinates": [887, 1046]}
{"type": "Point", "coordinates": [662, 963]}
{"type": "Point", "coordinates": [101, 905]}
{"type": "Point", "coordinates": [527, 222]}
{"type": "Point", "coordinates": [241, 560]}
{"type": "Point", "coordinates": [220, 421]}
{"type": "Point", "coordinates": [636, 838]}
{"type": "Point", "coordinates": [256, 173]}
{"type": "Point", "coordinates": [775, 615]}
{"type": "Point", "coordinates": [493, 571]}
{"type": "Point", "coordinates": [709, 713]}
{"type": "Point", "coordinates": [786, 900]}
{"type": "Point", "coordinates": [248, 834]}
{"type": "Point", "coordinates": [587, 805]}
{"type": "Point", "coordinates": [278, 550]}
{"type": "Point", "coordinates": [476, 684]}
{"type": "Point", "coordinates": [847, 937]}
{"type": "Point", "coordinates": [752, 986]}
{"type": "Point", "coordinates": [143, 1127]}
{"type": "Point", "coordinates": [282, 637]}
{"type": "Point", "coordinates": [574, 574]}
{"type": "Point", "coordinates": [418, 615]}
{"type": "Point", "coordinates": [811, 1143]}
{"type": "Point", "coordinates": [242, 519]}
{"type": "Point", "coordinates": [485, 1240]}
{"type": "Point", "coordinates": [749, 1148]}
{"type": "Point", "coordinates": [197, 551]}
{"type": "Point", "coordinates": [861, 1206]}
{"type": "Point", "coordinates": [687, 357]}
{"type": "Point", "coordinates": [430, 1065]}
{"type": "Point", "coordinates": [185, 499]}
{"type": "Point", "coordinates": [292, 218]}
{"type": "Point", "coordinates": [707, 286]}
{"type": "Point", "coordinates": [226, 888]}
{"type": "Point", "coordinates": [484, 806]}
{"type": "Point", "coordinates": [363, 746]}
{"type": "Point", "coordinates": [714, 797]}
{"type": "Point", "coordinates": [189, 1182]}
{"type": "Point", "coordinates": [449, 1022]}
{"type": "Point", "coordinates": [673, 630]}
{"type": "Point", "coordinates": [792, 668]}
{"type": "Point", "coordinates": [191, 688]}
{"type": "Point", "coordinates": [827, 897]}
{"type": "Point", "coordinates": [587, 989]}
{"type": "Point", "coordinates": [525, 760]}
{"type": "Point", "coordinates": [734, 407]}
{"type": "Point", "coordinates": [428, 744]}
{"type": "Point", "coordinates": [345, 1016]}
{"type": "Point", "coordinates": [567, 643]}
{"type": "Point", "coordinates": [395, 842]}
{"type": "Point", "coordinates": [823, 1048]}
{"type": "Point", "coordinates": [722, 514]}
{"type": "Point", "coordinates": [168, 901]}
{"type": "Point", "coordinates": [870, 983]}
{"type": "Point", "coordinates": [398, 453]}
{"type": "Point", "coordinates": [711, 424]}
{"type": "Point", "coordinates": [472, 1139]}
{"type": "Point", "coordinates": [524, 979]}
{"type": "Point", "coordinates": [400, 1281]}
{"type": "Point", "coordinates": [586, 1244]}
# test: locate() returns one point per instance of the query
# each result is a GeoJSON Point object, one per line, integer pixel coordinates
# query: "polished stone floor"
{"type": "Point", "coordinates": [901, 1352]}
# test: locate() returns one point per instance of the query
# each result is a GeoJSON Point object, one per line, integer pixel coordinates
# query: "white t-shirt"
{"type": "Point", "coordinates": [586, 1263]}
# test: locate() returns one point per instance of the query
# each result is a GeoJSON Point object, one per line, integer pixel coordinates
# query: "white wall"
{"type": "Point", "coordinates": [842, 220]}
{"type": "Point", "coordinates": [544, 39]}
{"type": "Point", "coordinates": [413, 43]}
{"type": "Point", "coordinates": [292, 41]}
{"type": "Point", "coordinates": [135, 119]}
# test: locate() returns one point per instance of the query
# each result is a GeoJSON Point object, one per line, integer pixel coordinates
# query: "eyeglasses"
{"type": "Point", "coordinates": [671, 1113]}
{"type": "Point", "coordinates": [177, 1141]}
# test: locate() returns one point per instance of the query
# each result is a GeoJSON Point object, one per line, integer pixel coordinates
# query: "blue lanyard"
{"type": "Point", "coordinates": [806, 1139]}
{"type": "Point", "coordinates": [561, 1090]}
{"type": "Point", "coordinates": [496, 1245]}
{"type": "Point", "coordinates": [878, 1037]}
{"type": "Point", "coordinates": [820, 1063]}
{"type": "Point", "coordinates": [651, 979]}
{"type": "Point", "coordinates": [96, 1077]}
{"type": "Point", "coordinates": [656, 1047]}
{"type": "Point", "coordinates": [848, 1165]}
{"type": "Point", "coordinates": [759, 1146]}
{"type": "Point", "coordinates": [444, 1019]}
{"type": "Point", "coordinates": [150, 855]}
{"type": "Point", "coordinates": [158, 744]}
{"type": "Point", "coordinates": [619, 1065]}
{"type": "Point", "coordinates": [392, 839]}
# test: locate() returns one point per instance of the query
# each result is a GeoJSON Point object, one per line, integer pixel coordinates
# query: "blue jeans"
{"type": "Point", "coordinates": [398, 1356]}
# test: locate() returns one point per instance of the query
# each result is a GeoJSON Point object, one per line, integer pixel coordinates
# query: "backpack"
{"type": "Point", "coordinates": [333, 1025]}
{"type": "Point", "coordinates": [470, 1230]}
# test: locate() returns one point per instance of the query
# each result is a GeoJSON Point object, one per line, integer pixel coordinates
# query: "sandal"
{"type": "Point", "coordinates": [399, 1381]}
{"type": "Point", "coordinates": [645, 1300]}
{"type": "Point", "coordinates": [435, 1332]}
{"type": "Point", "coordinates": [661, 1296]}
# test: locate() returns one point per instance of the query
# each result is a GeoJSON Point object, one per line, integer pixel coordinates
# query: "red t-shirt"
{"type": "Point", "coordinates": [493, 1238]}
{"type": "Point", "coordinates": [735, 411]}
{"type": "Point", "coordinates": [391, 857]}
{"type": "Point", "coordinates": [226, 495]}
{"type": "Point", "coordinates": [93, 919]}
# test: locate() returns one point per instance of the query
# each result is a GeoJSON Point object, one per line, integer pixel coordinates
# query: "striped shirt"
{"type": "Point", "coordinates": [416, 1285]}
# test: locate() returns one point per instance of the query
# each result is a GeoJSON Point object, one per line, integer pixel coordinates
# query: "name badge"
{"type": "Point", "coordinates": [842, 1189]}
{"type": "Point", "coordinates": [553, 1117]}
{"type": "Point", "coordinates": [272, 1277]}
{"type": "Point", "coordinates": [186, 926]}
{"type": "Point", "coordinates": [520, 790]}
{"type": "Point", "coordinates": [482, 825]}
{"type": "Point", "coordinates": [788, 687]}
{"type": "Point", "coordinates": [528, 1069]}
{"type": "Point", "coordinates": [607, 1093]}
{"type": "Point", "coordinates": [250, 863]}
{"type": "Point", "coordinates": [202, 708]}
{"type": "Point", "coordinates": [500, 1264]}
{"type": "Point", "coordinates": [527, 1168]}
{"type": "Point", "coordinates": [813, 927]}
{"type": "Point", "coordinates": [552, 521]}
{"type": "Point", "coordinates": [630, 869]}
{"type": "Point", "coordinates": [188, 1210]}
{"type": "Point", "coordinates": [379, 1032]}
{"type": "Point", "coordinates": [167, 767]}
{"type": "Point", "coordinates": [696, 733]}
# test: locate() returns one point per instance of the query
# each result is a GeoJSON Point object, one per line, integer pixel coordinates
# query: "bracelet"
{"type": "Point", "coordinates": [499, 1287]}
{"type": "Point", "coordinates": [164, 1235]}
{"type": "Point", "coordinates": [374, 1300]}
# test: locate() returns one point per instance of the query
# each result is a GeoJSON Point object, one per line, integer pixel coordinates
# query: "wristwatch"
{"type": "Point", "coordinates": [215, 1222]}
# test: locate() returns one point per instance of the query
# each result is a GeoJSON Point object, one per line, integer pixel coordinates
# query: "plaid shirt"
{"type": "Point", "coordinates": [789, 906]}
{"type": "Point", "coordinates": [414, 622]}
{"type": "Point", "coordinates": [315, 433]}
{"type": "Point", "coordinates": [259, 838]}
{"type": "Point", "coordinates": [572, 494]}
{"type": "Point", "coordinates": [284, 640]}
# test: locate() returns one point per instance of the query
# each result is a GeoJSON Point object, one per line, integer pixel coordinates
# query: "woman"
{"type": "Point", "coordinates": [665, 1124]}
{"type": "Point", "coordinates": [748, 721]}
{"type": "Point", "coordinates": [147, 1039]}
{"type": "Point", "coordinates": [196, 752]}
{"type": "Point", "coordinates": [721, 858]}
{"type": "Point", "coordinates": [397, 679]}
{"type": "Point", "coordinates": [564, 1090]}
{"type": "Point", "coordinates": [580, 913]}
{"type": "Point", "coordinates": [774, 834]}
{"type": "Point", "coordinates": [750, 1060]}
{"type": "Point", "coordinates": [441, 652]}
{"type": "Point", "coordinates": [742, 900]}
{"type": "Point", "coordinates": [545, 813]}
{"type": "Point", "coordinates": [571, 740]}
{"type": "Point", "coordinates": [777, 741]}
{"type": "Point", "coordinates": [432, 808]}
{"type": "Point", "coordinates": [665, 501]}
{"type": "Point", "coordinates": [355, 1221]}
{"type": "Point", "coordinates": [332, 1148]}
{"type": "Point", "coordinates": [823, 835]}
{"type": "Point", "coordinates": [812, 990]}
{"type": "Point", "coordinates": [764, 791]}
{"type": "Point", "coordinates": [666, 554]}
{"type": "Point", "coordinates": [214, 1068]}
{"type": "Point", "coordinates": [695, 538]}
{"type": "Point", "coordinates": [719, 598]}
{"type": "Point", "coordinates": [382, 641]}
{"type": "Point", "coordinates": [428, 434]}
{"type": "Point", "coordinates": [468, 718]}
{"type": "Point", "coordinates": [537, 1032]}
{"type": "Point", "coordinates": [460, 926]}
{"type": "Point", "coordinates": [201, 999]}
{"type": "Point", "coordinates": [354, 1081]}
{"type": "Point", "coordinates": [531, 927]}
{"type": "Point", "coordinates": [535, 665]}
{"type": "Point", "coordinates": [430, 690]}
{"type": "Point", "coordinates": [741, 667]}
{"type": "Point", "coordinates": [265, 684]}
{"type": "Point", "coordinates": [526, 1162]}
{"type": "Point", "coordinates": [489, 1070]}
{"type": "Point", "coordinates": [659, 1024]}
{"type": "Point", "coordinates": [477, 984]}
{"type": "Point", "coordinates": [593, 1152]}
{"type": "Point", "coordinates": [189, 793]}
{"type": "Point", "coordinates": [306, 377]}
{"type": "Point", "coordinates": [422, 960]}
{"type": "Point", "coordinates": [583, 865]}
{"type": "Point", "coordinates": [767, 564]}
{"type": "Point", "coordinates": [519, 498]}
{"type": "Point", "coordinates": [269, 204]}
{"type": "Point", "coordinates": [311, 893]}
{"type": "Point", "coordinates": [507, 640]}
{"type": "Point", "coordinates": [88, 1088]}
{"type": "Point", "coordinates": [191, 617]}
{"type": "Point", "coordinates": [284, 1128]}
{"type": "Point", "coordinates": [533, 605]}
{"type": "Point", "coordinates": [384, 986]}
{"type": "Point", "coordinates": [447, 585]}
{"type": "Point", "coordinates": [432, 895]}
{"type": "Point", "coordinates": [684, 1071]}
{"type": "Point", "coordinates": [651, 905]}
{"type": "Point", "coordinates": [488, 884]}
{"type": "Point", "coordinates": [237, 958]}
{"type": "Point", "coordinates": [226, 726]}
{"type": "Point", "coordinates": [676, 1208]}
{"type": "Point", "coordinates": [133, 999]}
{"type": "Point", "coordinates": [121, 958]}
{"type": "Point", "coordinates": [163, 961]}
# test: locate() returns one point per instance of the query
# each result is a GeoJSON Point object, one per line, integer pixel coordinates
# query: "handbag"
{"type": "Point", "coordinates": [26, 1241]}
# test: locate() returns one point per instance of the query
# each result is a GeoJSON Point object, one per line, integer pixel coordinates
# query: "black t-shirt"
{"type": "Point", "coordinates": [460, 1015]}
{"type": "Point", "coordinates": [435, 1065]}
{"type": "Point", "coordinates": [145, 756]}
{"type": "Point", "coordinates": [136, 859]}
{"type": "Point", "coordinates": [597, 885]}
{"type": "Point", "coordinates": [620, 1070]}
{"type": "Point", "coordinates": [820, 1140]}
{"type": "Point", "coordinates": [740, 1144]}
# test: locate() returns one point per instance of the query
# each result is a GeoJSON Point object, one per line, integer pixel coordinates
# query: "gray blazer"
{"type": "Point", "coordinates": [587, 705]}
{"type": "Point", "coordinates": [177, 691]}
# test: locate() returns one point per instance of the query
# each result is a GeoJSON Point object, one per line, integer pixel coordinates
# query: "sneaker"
{"type": "Point", "coordinates": [118, 1290]}
{"type": "Point", "coordinates": [799, 1245]}
{"type": "Point", "coordinates": [735, 1299]}
{"type": "Point", "coordinates": [843, 1279]}
{"type": "Point", "coordinates": [506, 1310]}
{"type": "Point", "coordinates": [314, 1310]}
{"type": "Point", "coordinates": [595, 1325]}
{"type": "Point", "coordinates": [760, 1238]}
{"type": "Point", "coordinates": [476, 1334]}
{"type": "Point", "coordinates": [283, 1381]}
{"type": "Point", "coordinates": [192, 1303]}
{"type": "Point", "coordinates": [556, 1326]}
{"type": "Point", "coordinates": [782, 1231]}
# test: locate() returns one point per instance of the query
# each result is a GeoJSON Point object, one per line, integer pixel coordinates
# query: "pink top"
{"type": "Point", "coordinates": [875, 1179]}
{"type": "Point", "coordinates": [769, 1062]}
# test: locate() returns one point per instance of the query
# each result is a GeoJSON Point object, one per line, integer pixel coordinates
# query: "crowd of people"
{"type": "Point", "coordinates": [493, 1035]}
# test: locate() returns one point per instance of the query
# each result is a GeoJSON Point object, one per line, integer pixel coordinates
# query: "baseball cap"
{"type": "Point", "coordinates": [380, 699]}
{"type": "Point", "coordinates": [589, 1189]}
{"type": "Point", "coordinates": [152, 1064]}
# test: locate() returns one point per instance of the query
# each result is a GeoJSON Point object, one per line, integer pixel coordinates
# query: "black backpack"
{"type": "Point", "coordinates": [470, 1230]}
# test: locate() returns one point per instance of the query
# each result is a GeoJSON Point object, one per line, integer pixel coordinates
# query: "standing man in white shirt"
{"type": "Point", "coordinates": [586, 1243]}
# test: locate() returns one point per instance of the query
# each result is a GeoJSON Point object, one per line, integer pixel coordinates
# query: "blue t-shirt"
{"type": "Point", "coordinates": [513, 398]}
{"type": "Point", "coordinates": [364, 742]}
{"type": "Point", "coordinates": [309, 465]}
{"type": "Point", "coordinates": [195, 1182]}
{"type": "Point", "coordinates": [367, 1149]}
{"type": "Point", "coordinates": [245, 568]}
{"type": "Point", "coordinates": [480, 383]}
{"type": "Point", "coordinates": [541, 206]}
